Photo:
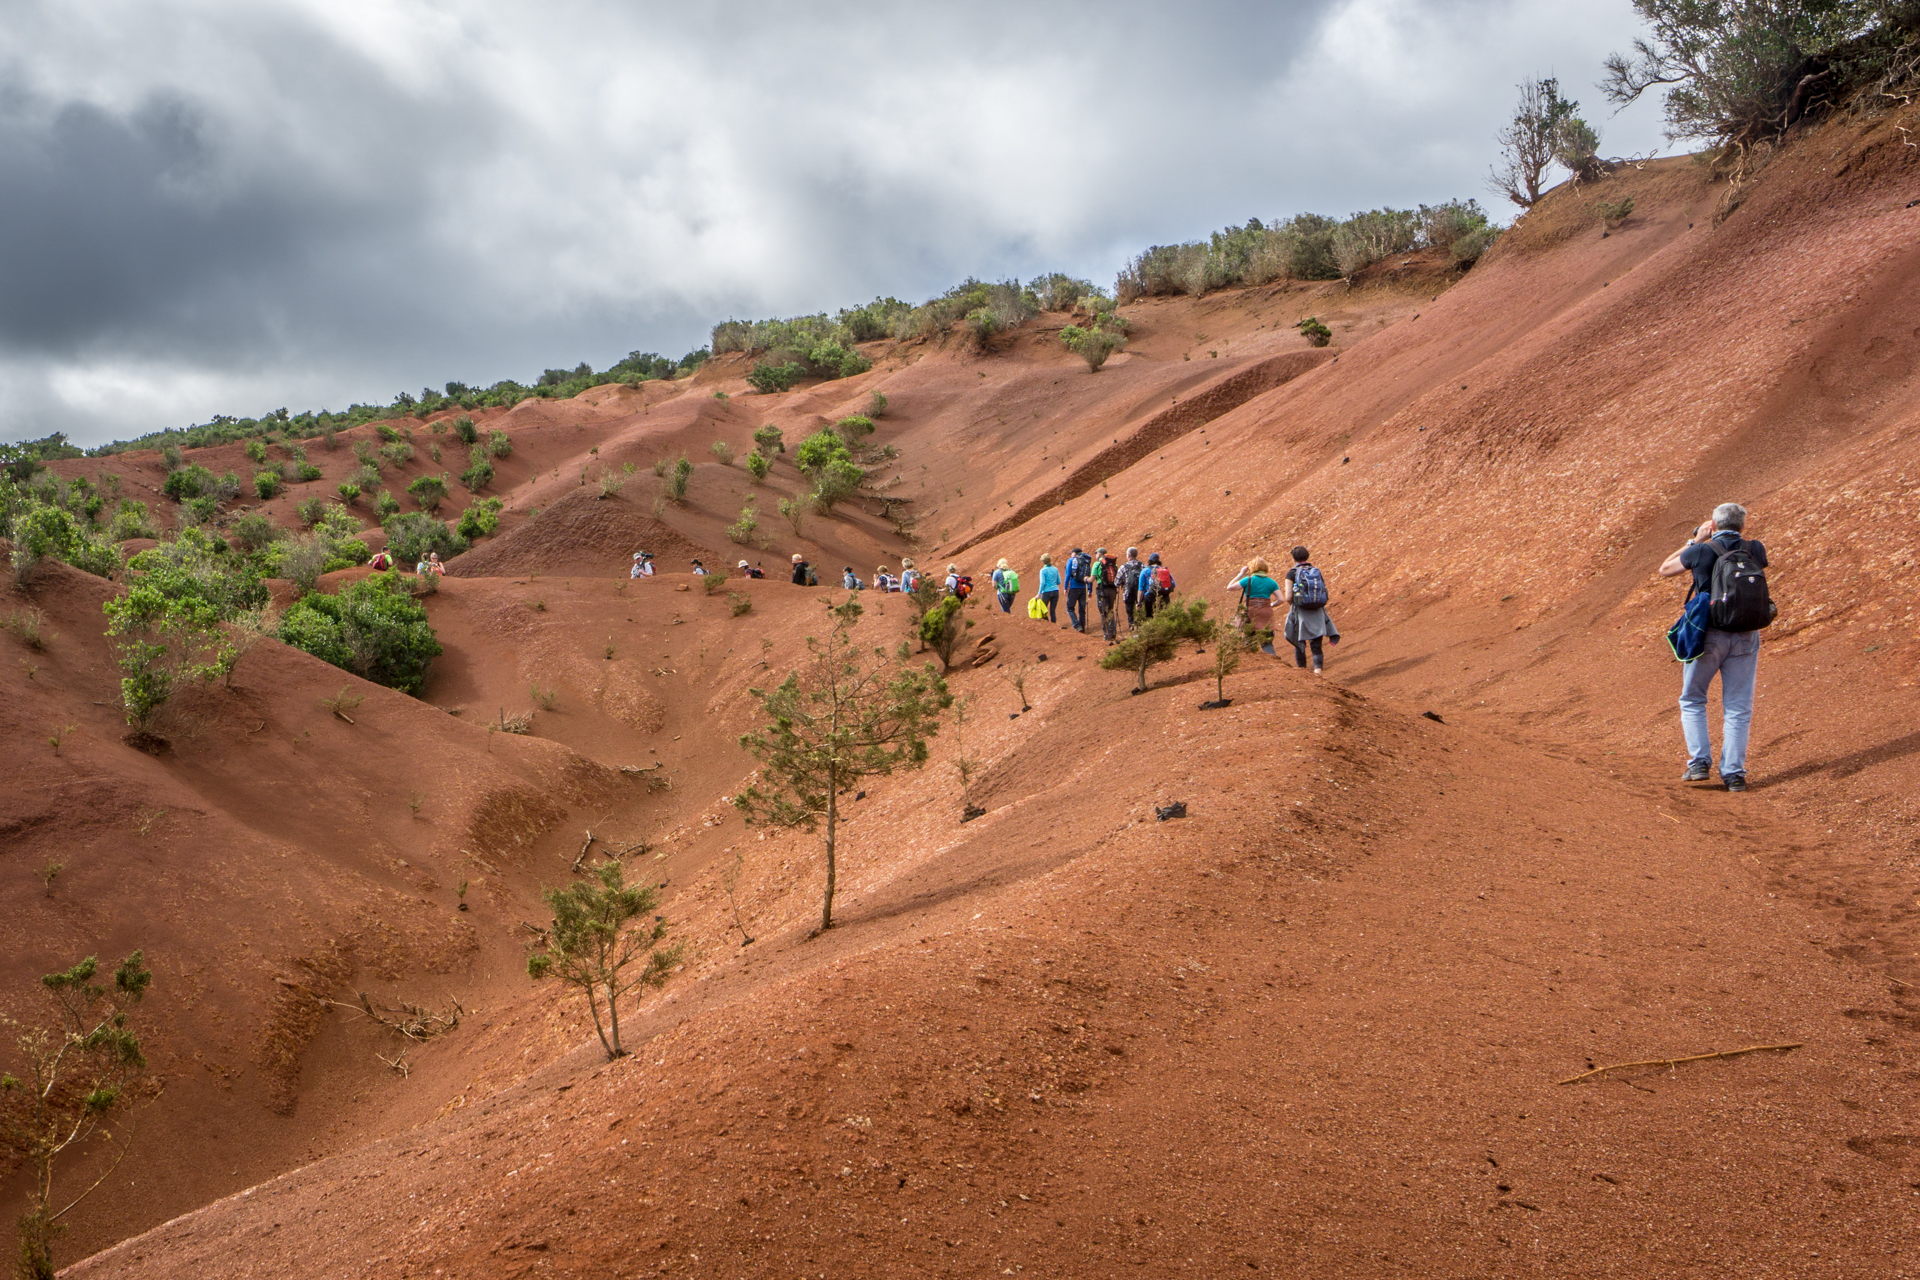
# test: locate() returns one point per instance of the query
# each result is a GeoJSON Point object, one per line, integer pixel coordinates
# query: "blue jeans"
{"type": "Point", "coordinates": [1077, 607]}
{"type": "Point", "coordinates": [1735, 655]}
{"type": "Point", "coordinates": [1006, 601]}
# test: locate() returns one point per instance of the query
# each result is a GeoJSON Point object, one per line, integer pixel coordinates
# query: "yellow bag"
{"type": "Point", "coordinates": [1037, 609]}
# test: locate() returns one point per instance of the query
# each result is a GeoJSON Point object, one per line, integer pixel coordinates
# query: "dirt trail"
{"type": "Point", "coordinates": [1317, 1029]}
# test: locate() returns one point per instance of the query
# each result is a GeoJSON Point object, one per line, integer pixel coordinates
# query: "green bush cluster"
{"type": "Point", "coordinates": [373, 628]}
{"type": "Point", "coordinates": [1308, 246]}
{"type": "Point", "coordinates": [411, 536]}
{"type": "Point", "coordinates": [824, 458]}
{"type": "Point", "coordinates": [479, 472]}
{"type": "Point", "coordinates": [480, 519]}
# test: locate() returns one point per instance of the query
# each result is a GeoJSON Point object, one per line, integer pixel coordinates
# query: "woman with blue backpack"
{"type": "Point", "coordinates": [1307, 621]}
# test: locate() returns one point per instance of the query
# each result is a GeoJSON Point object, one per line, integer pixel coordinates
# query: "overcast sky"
{"type": "Point", "coordinates": [226, 206]}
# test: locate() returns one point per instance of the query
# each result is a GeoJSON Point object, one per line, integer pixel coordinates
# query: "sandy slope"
{"type": "Point", "coordinates": [1314, 1025]}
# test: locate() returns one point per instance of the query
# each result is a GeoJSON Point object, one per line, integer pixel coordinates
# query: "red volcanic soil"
{"type": "Point", "coordinates": [1328, 1022]}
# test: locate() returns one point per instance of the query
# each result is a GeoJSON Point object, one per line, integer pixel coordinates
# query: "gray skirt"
{"type": "Point", "coordinates": [1309, 624]}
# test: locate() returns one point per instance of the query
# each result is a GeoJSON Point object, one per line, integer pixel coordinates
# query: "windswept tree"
{"type": "Point", "coordinates": [1159, 638]}
{"type": "Point", "coordinates": [75, 1085]}
{"type": "Point", "coordinates": [851, 716]}
{"type": "Point", "coordinates": [1528, 144]}
{"type": "Point", "coordinates": [603, 943]}
{"type": "Point", "coordinates": [1739, 72]}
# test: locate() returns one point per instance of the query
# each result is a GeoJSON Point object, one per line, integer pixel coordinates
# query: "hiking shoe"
{"type": "Point", "coordinates": [1697, 771]}
{"type": "Point", "coordinates": [1735, 781]}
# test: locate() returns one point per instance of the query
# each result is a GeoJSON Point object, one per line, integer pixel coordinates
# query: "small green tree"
{"type": "Point", "coordinates": [75, 1083]}
{"type": "Point", "coordinates": [162, 639]}
{"type": "Point", "coordinates": [429, 492]}
{"type": "Point", "coordinates": [769, 440]}
{"type": "Point", "coordinates": [758, 465]}
{"type": "Point", "coordinates": [464, 430]}
{"type": "Point", "coordinates": [795, 512]}
{"type": "Point", "coordinates": [1230, 645]}
{"type": "Point", "coordinates": [1527, 143]}
{"type": "Point", "coordinates": [600, 934]}
{"type": "Point", "coordinates": [852, 717]}
{"type": "Point", "coordinates": [942, 628]}
{"type": "Point", "coordinates": [373, 628]}
{"type": "Point", "coordinates": [1159, 638]}
{"type": "Point", "coordinates": [767, 378]}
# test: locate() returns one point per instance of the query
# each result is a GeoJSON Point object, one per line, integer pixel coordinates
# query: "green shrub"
{"type": "Point", "coordinates": [678, 477]}
{"type": "Point", "coordinates": [307, 472]}
{"type": "Point", "coordinates": [411, 536]}
{"type": "Point", "coordinates": [256, 452]}
{"type": "Point", "coordinates": [367, 477]}
{"type": "Point", "coordinates": [332, 544]}
{"type": "Point", "coordinates": [386, 506]}
{"type": "Point", "coordinates": [429, 491]}
{"type": "Point", "coordinates": [309, 510]}
{"type": "Point", "coordinates": [266, 484]}
{"type": "Point", "coordinates": [854, 428]}
{"type": "Point", "coordinates": [480, 519]}
{"type": "Point", "coordinates": [498, 444]}
{"type": "Point", "coordinates": [42, 533]}
{"type": "Point", "coordinates": [768, 378]}
{"type": "Point", "coordinates": [817, 450]}
{"type": "Point", "coordinates": [1366, 238]}
{"type": "Point", "coordinates": [479, 472]}
{"type": "Point", "coordinates": [253, 531]}
{"type": "Point", "coordinates": [758, 466]}
{"type": "Point", "coordinates": [768, 440]}
{"type": "Point", "coordinates": [877, 402]}
{"type": "Point", "coordinates": [388, 433]}
{"type": "Point", "coordinates": [349, 492]}
{"type": "Point", "coordinates": [1468, 249]}
{"type": "Point", "coordinates": [1614, 212]}
{"type": "Point", "coordinates": [170, 456]}
{"type": "Point", "coordinates": [835, 483]}
{"type": "Point", "coordinates": [399, 453]}
{"type": "Point", "coordinates": [366, 453]}
{"type": "Point", "coordinates": [464, 431]}
{"type": "Point", "coordinates": [741, 530]}
{"type": "Point", "coordinates": [1314, 332]}
{"type": "Point", "coordinates": [1093, 345]}
{"type": "Point", "coordinates": [130, 521]}
{"type": "Point", "coordinates": [373, 628]}
{"type": "Point", "coordinates": [190, 482]}
{"type": "Point", "coordinates": [722, 452]}
{"type": "Point", "coordinates": [199, 510]}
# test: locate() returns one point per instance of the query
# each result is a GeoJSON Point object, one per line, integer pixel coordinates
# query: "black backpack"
{"type": "Point", "coordinates": [1737, 598]}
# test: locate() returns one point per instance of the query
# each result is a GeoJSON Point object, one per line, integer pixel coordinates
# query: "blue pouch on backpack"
{"type": "Point", "coordinates": [1688, 637]}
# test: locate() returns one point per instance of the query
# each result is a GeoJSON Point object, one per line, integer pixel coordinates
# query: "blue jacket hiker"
{"type": "Point", "coordinates": [1050, 586]}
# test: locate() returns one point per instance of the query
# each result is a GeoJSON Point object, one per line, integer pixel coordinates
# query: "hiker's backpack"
{"type": "Point", "coordinates": [1309, 588]}
{"type": "Point", "coordinates": [1162, 578]}
{"type": "Point", "coordinates": [909, 579]}
{"type": "Point", "coordinates": [963, 587]}
{"type": "Point", "coordinates": [813, 579]}
{"type": "Point", "coordinates": [1737, 592]}
{"type": "Point", "coordinates": [1009, 582]}
{"type": "Point", "coordinates": [1130, 575]}
{"type": "Point", "coordinates": [1109, 571]}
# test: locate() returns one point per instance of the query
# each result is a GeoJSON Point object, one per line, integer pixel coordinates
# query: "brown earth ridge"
{"type": "Point", "coordinates": [1318, 1026]}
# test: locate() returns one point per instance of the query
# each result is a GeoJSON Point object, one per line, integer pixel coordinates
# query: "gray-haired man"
{"type": "Point", "coordinates": [1734, 655]}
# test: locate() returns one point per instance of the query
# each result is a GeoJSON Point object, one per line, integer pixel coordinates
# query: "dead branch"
{"type": "Point", "coordinates": [1672, 1062]}
{"type": "Point", "coordinates": [397, 1063]}
{"type": "Point", "coordinates": [415, 1023]}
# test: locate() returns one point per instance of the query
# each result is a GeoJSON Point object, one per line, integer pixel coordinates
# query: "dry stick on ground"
{"type": "Point", "coordinates": [1670, 1062]}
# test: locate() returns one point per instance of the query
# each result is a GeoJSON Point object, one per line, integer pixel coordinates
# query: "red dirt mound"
{"type": "Point", "coordinates": [584, 534]}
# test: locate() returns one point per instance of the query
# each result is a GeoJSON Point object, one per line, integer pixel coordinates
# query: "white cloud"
{"type": "Point", "coordinates": [230, 205]}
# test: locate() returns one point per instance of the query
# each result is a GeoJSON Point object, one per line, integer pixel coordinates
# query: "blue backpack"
{"type": "Point", "coordinates": [1309, 588]}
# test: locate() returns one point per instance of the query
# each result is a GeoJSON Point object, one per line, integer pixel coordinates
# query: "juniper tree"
{"type": "Point", "coordinates": [1159, 638]}
{"type": "Point", "coordinates": [75, 1085]}
{"type": "Point", "coordinates": [599, 934]}
{"type": "Point", "coordinates": [851, 716]}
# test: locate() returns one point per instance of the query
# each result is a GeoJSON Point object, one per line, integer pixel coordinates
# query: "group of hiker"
{"type": "Point", "coordinates": [1718, 634]}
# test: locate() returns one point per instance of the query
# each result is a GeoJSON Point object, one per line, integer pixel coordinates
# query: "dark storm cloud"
{"type": "Point", "coordinates": [228, 205]}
